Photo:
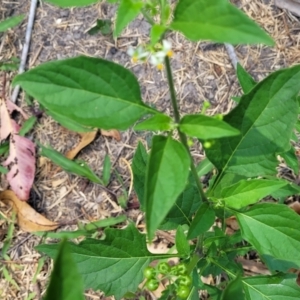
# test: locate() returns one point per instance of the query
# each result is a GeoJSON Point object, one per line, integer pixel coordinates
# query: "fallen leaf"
{"type": "Point", "coordinates": [296, 207]}
{"type": "Point", "coordinates": [11, 107]}
{"type": "Point", "coordinates": [28, 219]}
{"type": "Point", "coordinates": [86, 139]}
{"type": "Point", "coordinates": [232, 223]}
{"type": "Point", "coordinates": [112, 133]}
{"type": "Point", "coordinates": [21, 162]}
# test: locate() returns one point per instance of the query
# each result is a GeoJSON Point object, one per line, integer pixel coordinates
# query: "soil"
{"type": "Point", "coordinates": [202, 71]}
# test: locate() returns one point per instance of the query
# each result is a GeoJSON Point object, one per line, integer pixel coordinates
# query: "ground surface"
{"type": "Point", "coordinates": [202, 71]}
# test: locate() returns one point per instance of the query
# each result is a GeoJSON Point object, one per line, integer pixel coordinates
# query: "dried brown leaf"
{"type": "Point", "coordinates": [112, 133]}
{"type": "Point", "coordinates": [86, 139]}
{"type": "Point", "coordinates": [28, 219]}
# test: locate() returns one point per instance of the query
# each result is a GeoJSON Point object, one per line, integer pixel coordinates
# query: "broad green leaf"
{"type": "Point", "coordinates": [291, 160]}
{"type": "Point", "coordinates": [114, 265]}
{"type": "Point", "coordinates": [265, 224]}
{"type": "Point", "coordinates": [89, 91]}
{"type": "Point", "coordinates": [157, 122]}
{"type": "Point", "coordinates": [203, 220]}
{"type": "Point", "coordinates": [128, 10]}
{"type": "Point", "coordinates": [69, 3]}
{"type": "Point", "coordinates": [182, 244]}
{"type": "Point", "coordinates": [287, 190]}
{"type": "Point", "coordinates": [139, 164]}
{"type": "Point", "coordinates": [157, 31]}
{"type": "Point", "coordinates": [246, 192]}
{"type": "Point", "coordinates": [184, 208]}
{"type": "Point", "coordinates": [234, 290]}
{"type": "Point", "coordinates": [204, 127]}
{"type": "Point", "coordinates": [68, 165]}
{"type": "Point", "coordinates": [276, 287]}
{"type": "Point", "coordinates": [216, 20]}
{"type": "Point", "coordinates": [266, 117]}
{"type": "Point", "coordinates": [27, 126]}
{"type": "Point", "coordinates": [245, 79]}
{"type": "Point", "coordinates": [277, 265]}
{"type": "Point", "coordinates": [66, 282]}
{"type": "Point", "coordinates": [166, 177]}
{"type": "Point", "coordinates": [10, 22]}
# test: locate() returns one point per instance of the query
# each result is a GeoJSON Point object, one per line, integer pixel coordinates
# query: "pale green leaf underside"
{"type": "Point", "coordinates": [89, 91]}
{"type": "Point", "coordinates": [166, 178]}
{"type": "Point", "coordinates": [157, 122]}
{"type": "Point", "coordinates": [273, 229]}
{"type": "Point", "coordinates": [277, 287]}
{"type": "Point", "coordinates": [69, 3]}
{"type": "Point", "coordinates": [66, 282]}
{"type": "Point", "coordinates": [265, 117]}
{"type": "Point", "coordinates": [216, 20]}
{"type": "Point", "coordinates": [114, 265]}
{"type": "Point", "coordinates": [247, 192]}
{"type": "Point", "coordinates": [204, 127]}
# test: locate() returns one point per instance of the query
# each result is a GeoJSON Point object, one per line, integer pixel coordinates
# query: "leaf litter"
{"type": "Point", "coordinates": [195, 75]}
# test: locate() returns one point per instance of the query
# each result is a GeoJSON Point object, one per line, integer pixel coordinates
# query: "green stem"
{"type": "Point", "coordinates": [182, 136]}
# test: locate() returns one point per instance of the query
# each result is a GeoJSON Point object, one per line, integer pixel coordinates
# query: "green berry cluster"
{"type": "Point", "coordinates": [177, 276]}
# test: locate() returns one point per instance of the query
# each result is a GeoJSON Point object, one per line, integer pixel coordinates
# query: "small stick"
{"type": "Point", "coordinates": [26, 47]}
{"type": "Point", "coordinates": [232, 55]}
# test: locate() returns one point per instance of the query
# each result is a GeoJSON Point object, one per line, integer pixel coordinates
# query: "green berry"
{"type": "Point", "coordinates": [149, 272]}
{"type": "Point", "coordinates": [185, 280]}
{"type": "Point", "coordinates": [163, 268]}
{"type": "Point", "coordinates": [182, 291]}
{"type": "Point", "coordinates": [181, 269]}
{"type": "Point", "coordinates": [152, 284]}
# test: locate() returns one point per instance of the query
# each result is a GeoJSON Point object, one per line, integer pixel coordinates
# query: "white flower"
{"type": "Point", "coordinates": [137, 54]}
{"type": "Point", "coordinates": [157, 58]}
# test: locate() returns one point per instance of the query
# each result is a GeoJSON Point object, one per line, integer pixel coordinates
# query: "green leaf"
{"type": "Point", "coordinates": [277, 265]}
{"type": "Point", "coordinates": [65, 283]}
{"type": "Point", "coordinates": [204, 127]}
{"type": "Point", "coordinates": [246, 192]}
{"type": "Point", "coordinates": [204, 167]}
{"type": "Point", "coordinates": [69, 3]}
{"type": "Point", "coordinates": [183, 210]}
{"type": "Point", "coordinates": [3, 170]}
{"type": "Point", "coordinates": [89, 91]}
{"type": "Point", "coordinates": [287, 190]}
{"type": "Point", "coordinates": [166, 177]}
{"type": "Point", "coordinates": [291, 160]}
{"type": "Point", "coordinates": [264, 223]}
{"type": "Point", "coordinates": [114, 265]}
{"type": "Point", "coordinates": [218, 21]}
{"type": "Point", "coordinates": [106, 170]}
{"type": "Point", "coordinates": [276, 287]}
{"type": "Point", "coordinates": [203, 220]}
{"type": "Point", "coordinates": [245, 79]}
{"type": "Point", "coordinates": [4, 148]}
{"type": "Point", "coordinates": [266, 117]}
{"type": "Point", "coordinates": [104, 26]}
{"type": "Point", "coordinates": [139, 164]}
{"type": "Point", "coordinates": [128, 10]}
{"type": "Point", "coordinates": [234, 290]}
{"type": "Point", "coordinates": [27, 126]}
{"type": "Point", "coordinates": [157, 122]}
{"type": "Point", "coordinates": [68, 165]}
{"type": "Point", "coordinates": [157, 31]}
{"type": "Point", "coordinates": [182, 244]}
{"type": "Point", "coordinates": [10, 22]}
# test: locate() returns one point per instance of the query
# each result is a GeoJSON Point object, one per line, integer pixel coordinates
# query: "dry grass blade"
{"type": "Point", "coordinates": [112, 133]}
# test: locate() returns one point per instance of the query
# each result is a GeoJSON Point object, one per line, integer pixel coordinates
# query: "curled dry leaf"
{"type": "Point", "coordinates": [296, 207]}
{"type": "Point", "coordinates": [28, 219]}
{"type": "Point", "coordinates": [232, 223]}
{"type": "Point", "coordinates": [86, 139]}
{"type": "Point", "coordinates": [112, 133]}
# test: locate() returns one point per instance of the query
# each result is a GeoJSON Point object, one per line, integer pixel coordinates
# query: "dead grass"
{"type": "Point", "coordinates": [202, 71]}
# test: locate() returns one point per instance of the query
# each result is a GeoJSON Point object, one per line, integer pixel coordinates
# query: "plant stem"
{"type": "Point", "coordinates": [182, 136]}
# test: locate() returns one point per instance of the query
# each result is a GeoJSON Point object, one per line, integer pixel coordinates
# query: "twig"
{"type": "Point", "coordinates": [26, 47]}
{"type": "Point", "coordinates": [232, 55]}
